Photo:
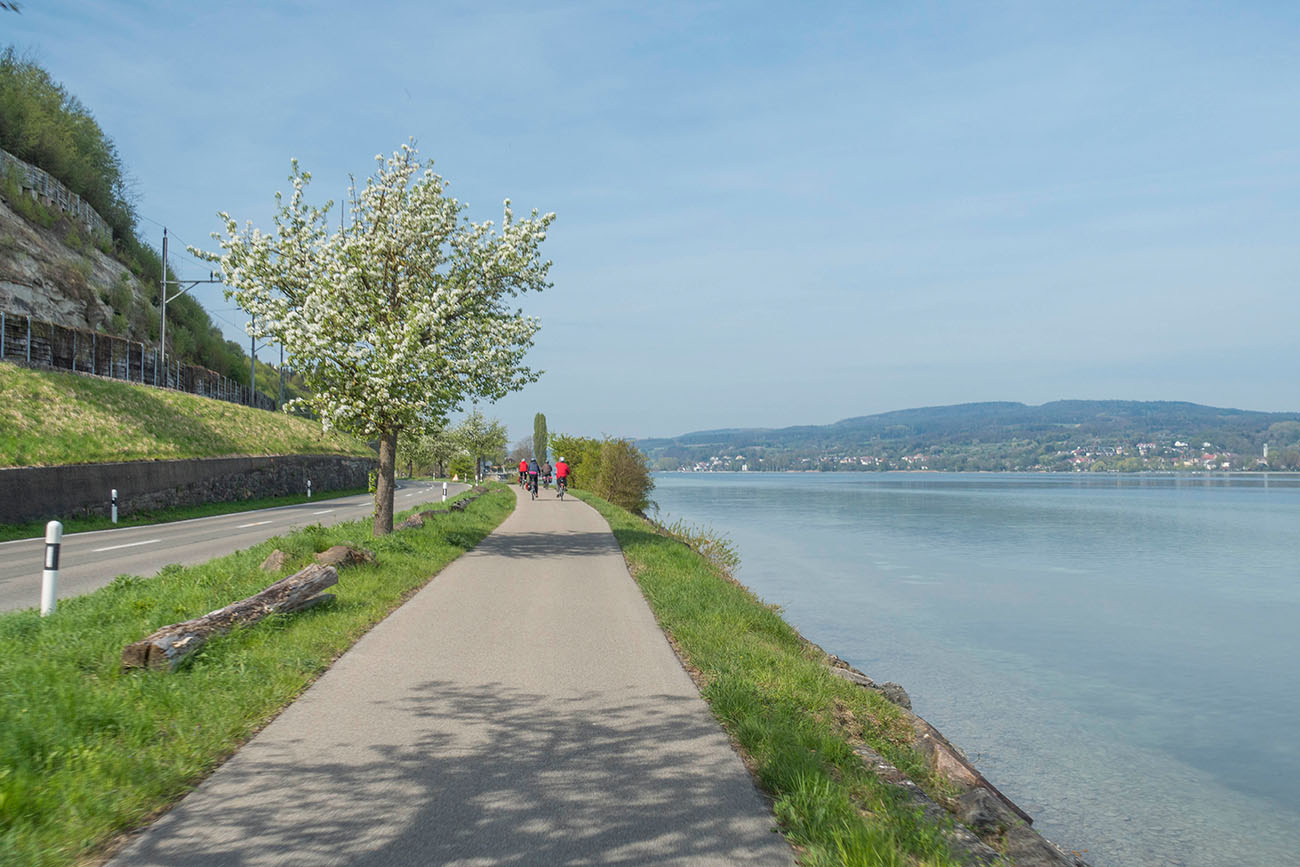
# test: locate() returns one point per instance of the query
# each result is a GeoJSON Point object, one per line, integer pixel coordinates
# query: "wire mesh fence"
{"type": "Point", "coordinates": [36, 343]}
{"type": "Point", "coordinates": [41, 185]}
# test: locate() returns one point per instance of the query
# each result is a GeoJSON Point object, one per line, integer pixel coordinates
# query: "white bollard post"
{"type": "Point", "coordinates": [115, 505]}
{"type": "Point", "coordinates": [309, 489]}
{"type": "Point", "coordinates": [50, 577]}
{"type": "Point", "coordinates": [444, 492]}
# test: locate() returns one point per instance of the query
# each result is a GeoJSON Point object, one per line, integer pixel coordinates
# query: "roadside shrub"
{"type": "Point", "coordinates": [624, 477]}
{"type": "Point", "coordinates": [462, 465]}
{"type": "Point", "coordinates": [582, 454]}
{"type": "Point", "coordinates": [613, 469]}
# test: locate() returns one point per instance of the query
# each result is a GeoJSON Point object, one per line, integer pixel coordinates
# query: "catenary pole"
{"type": "Point", "coordinates": [162, 326]}
{"type": "Point", "coordinates": [252, 353]}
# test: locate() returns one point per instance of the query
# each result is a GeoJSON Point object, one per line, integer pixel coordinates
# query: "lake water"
{"type": "Point", "coordinates": [1119, 654]}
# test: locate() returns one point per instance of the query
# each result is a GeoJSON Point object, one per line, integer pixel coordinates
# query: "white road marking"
{"type": "Point", "coordinates": [254, 524]}
{"type": "Point", "coordinates": [323, 512]}
{"type": "Point", "coordinates": [127, 545]}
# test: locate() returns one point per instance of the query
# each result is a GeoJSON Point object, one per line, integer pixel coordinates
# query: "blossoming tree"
{"type": "Point", "coordinates": [398, 318]}
{"type": "Point", "coordinates": [482, 438]}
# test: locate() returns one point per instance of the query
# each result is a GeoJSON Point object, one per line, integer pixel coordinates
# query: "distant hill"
{"type": "Point", "coordinates": [1003, 435]}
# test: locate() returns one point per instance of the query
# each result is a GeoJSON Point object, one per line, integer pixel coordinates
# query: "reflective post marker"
{"type": "Point", "coordinates": [309, 489]}
{"type": "Point", "coordinates": [115, 505]}
{"type": "Point", "coordinates": [444, 492]}
{"type": "Point", "coordinates": [50, 577]}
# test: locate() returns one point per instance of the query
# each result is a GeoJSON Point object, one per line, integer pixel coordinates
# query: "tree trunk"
{"type": "Point", "coordinates": [384, 484]}
{"type": "Point", "coordinates": [168, 646]}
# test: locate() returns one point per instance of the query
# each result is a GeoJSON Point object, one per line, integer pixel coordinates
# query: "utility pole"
{"type": "Point", "coordinates": [281, 405]}
{"type": "Point", "coordinates": [252, 352]}
{"type": "Point", "coordinates": [162, 329]}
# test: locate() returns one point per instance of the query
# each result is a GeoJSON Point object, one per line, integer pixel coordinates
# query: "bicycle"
{"type": "Point", "coordinates": [561, 485]}
{"type": "Point", "coordinates": [532, 485]}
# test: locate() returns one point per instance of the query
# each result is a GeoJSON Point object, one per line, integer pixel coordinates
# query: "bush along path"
{"type": "Point", "coordinates": [88, 750]}
{"type": "Point", "coordinates": [856, 777]}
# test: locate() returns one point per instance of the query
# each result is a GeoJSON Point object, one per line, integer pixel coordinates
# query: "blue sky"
{"type": "Point", "coordinates": [772, 214]}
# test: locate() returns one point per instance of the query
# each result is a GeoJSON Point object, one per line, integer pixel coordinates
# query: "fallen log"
{"type": "Point", "coordinates": [166, 648]}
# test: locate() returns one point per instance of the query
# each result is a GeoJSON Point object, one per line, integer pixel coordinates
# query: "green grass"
{"type": "Point", "coordinates": [51, 417]}
{"type": "Point", "coordinates": [87, 751]}
{"type": "Point", "coordinates": [795, 722]}
{"type": "Point", "coordinates": [33, 529]}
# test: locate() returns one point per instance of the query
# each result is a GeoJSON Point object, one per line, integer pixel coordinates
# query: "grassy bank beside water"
{"type": "Point", "coordinates": [52, 417]}
{"type": "Point", "coordinates": [795, 722]}
{"type": "Point", "coordinates": [87, 751]}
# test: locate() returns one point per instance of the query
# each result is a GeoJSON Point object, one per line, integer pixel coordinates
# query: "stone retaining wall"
{"type": "Point", "coordinates": [34, 493]}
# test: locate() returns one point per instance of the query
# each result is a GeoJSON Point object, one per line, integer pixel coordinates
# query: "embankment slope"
{"type": "Point", "coordinates": [48, 418]}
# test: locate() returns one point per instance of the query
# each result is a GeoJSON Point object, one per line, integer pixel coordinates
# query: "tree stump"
{"type": "Point", "coordinates": [169, 646]}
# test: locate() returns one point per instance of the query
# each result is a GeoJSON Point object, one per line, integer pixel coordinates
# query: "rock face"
{"type": "Point", "coordinates": [42, 277]}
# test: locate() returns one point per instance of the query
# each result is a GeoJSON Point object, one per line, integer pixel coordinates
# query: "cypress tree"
{"type": "Point", "coordinates": [539, 437]}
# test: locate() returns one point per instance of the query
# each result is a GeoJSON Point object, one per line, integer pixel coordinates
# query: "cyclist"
{"type": "Point", "coordinates": [523, 471]}
{"type": "Point", "coordinates": [546, 473]}
{"type": "Point", "coordinates": [561, 477]}
{"type": "Point", "coordinates": [533, 472]}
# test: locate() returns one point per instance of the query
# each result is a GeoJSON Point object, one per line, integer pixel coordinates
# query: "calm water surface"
{"type": "Point", "coordinates": [1119, 654]}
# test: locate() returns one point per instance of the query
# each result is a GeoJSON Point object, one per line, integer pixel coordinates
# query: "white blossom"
{"type": "Point", "coordinates": [398, 317]}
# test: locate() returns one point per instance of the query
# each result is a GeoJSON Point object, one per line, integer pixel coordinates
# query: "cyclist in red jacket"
{"type": "Point", "coordinates": [523, 471]}
{"type": "Point", "coordinates": [561, 477]}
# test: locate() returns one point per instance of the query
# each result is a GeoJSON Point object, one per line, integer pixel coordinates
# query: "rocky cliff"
{"type": "Point", "coordinates": [44, 276]}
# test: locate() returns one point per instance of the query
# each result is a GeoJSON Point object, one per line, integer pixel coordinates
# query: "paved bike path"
{"type": "Point", "coordinates": [523, 708]}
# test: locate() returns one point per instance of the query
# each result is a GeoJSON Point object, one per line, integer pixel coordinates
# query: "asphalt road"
{"type": "Point", "coordinates": [91, 560]}
{"type": "Point", "coordinates": [523, 708]}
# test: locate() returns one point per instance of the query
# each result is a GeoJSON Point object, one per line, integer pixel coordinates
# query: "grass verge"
{"type": "Point", "coordinates": [53, 417]}
{"type": "Point", "coordinates": [35, 529]}
{"type": "Point", "coordinates": [87, 751]}
{"type": "Point", "coordinates": [794, 721]}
